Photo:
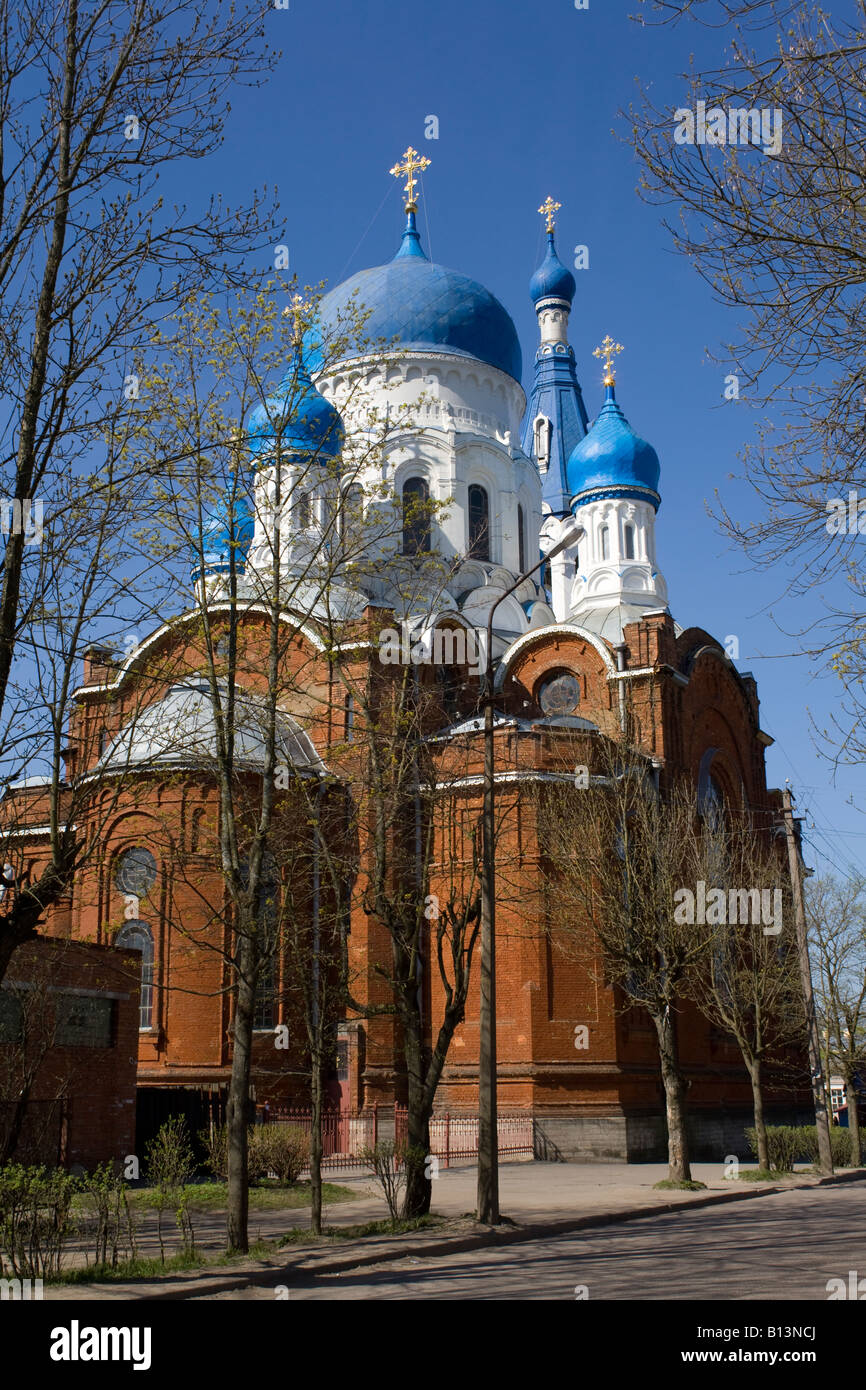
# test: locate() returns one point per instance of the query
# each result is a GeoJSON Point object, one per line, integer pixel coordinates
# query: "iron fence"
{"type": "Point", "coordinates": [453, 1137]}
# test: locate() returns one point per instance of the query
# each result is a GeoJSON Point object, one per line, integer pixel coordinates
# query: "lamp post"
{"type": "Point", "coordinates": [488, 1146]}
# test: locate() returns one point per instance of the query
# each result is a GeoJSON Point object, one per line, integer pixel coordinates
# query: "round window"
{"type": "Point", "coordinates": [136, 872]}
{"type": "Point", "coordinates": [559, 693]}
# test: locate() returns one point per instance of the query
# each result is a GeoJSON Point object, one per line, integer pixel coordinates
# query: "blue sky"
{"type": "Point", "coordinates": [527, 96]}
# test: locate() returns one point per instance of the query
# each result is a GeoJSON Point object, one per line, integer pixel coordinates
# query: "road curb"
{"type": "Point", "coordinates": [259, 1274]}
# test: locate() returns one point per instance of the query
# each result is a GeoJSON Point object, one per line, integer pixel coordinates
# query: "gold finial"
{"type": "Point", "coordinates": [412, 160]}
{"type": "Point", "coordinates": [547, 209]}
{"type": "Point", "coordinates": [297, 309]}
{"type": "Point", "coordinates": [607, 350]}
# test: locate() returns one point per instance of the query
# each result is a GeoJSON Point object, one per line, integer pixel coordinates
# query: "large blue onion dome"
{"type": "Point", "coordinates": [305, 421]}
{"type": "Point", "coordinates": [611, 460]}
{"type": "Point", "coordinates": [413, 303]}
{"type": "Point", "coordinates": [552, 279]}
{"type": "Point", "coordinates": [225, 538]}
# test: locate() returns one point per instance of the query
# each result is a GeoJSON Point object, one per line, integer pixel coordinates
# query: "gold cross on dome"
{"type": "Point", "coordinates": [297, 309]}
{"type": "Point", "coordinates": [607, 350]}
{"type": "Point", "coordinates": [412, 160]}
{"type": "Point", "coordinates": [547, 209]}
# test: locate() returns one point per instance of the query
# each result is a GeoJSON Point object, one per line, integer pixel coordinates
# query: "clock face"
{"type": "Point", "coordinates": [559, 694]}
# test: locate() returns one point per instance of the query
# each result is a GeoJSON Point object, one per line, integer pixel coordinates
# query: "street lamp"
{"type": "Point", "coordinates": [488, 1145]}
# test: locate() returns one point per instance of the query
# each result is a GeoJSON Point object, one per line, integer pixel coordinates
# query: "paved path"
{"type": "Point", "coordinates": [783, 1246]}
{"type": "Point", "coordinates": [529, 1192]}
{"type": "Point", "coordinates": [533, 1195]}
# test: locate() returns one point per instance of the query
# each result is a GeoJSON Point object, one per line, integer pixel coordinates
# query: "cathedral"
{"type": "Point", "coordinates": [546, 511]}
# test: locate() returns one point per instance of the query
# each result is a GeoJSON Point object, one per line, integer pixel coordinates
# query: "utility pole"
{"type": "Point", "coordinates": [825, 1152]}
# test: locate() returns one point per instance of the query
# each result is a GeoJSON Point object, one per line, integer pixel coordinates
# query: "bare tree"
{"type": "Point", "coordinates": [95, 103]}
{"type": "Point", "coordinates": [836, 913]}
{"type": "Point", "coordinates": [762, 158]}
{"type": "Point", "coordinates": [747, 980]}
{"type": "Point", "coordinates": [247, 626]}
{"type": "Point", "coordinates": [618, 851]}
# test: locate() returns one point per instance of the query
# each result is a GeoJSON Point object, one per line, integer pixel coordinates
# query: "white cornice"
{"type": "Point", "coordinates": [554, 630]}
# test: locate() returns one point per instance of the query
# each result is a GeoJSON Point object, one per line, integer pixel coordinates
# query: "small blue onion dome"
{"type": "Point", "coordinates": [552, 279]}
{"type": "Point", "coordinates": [612, 460]}
{"type": "Point", "coordinates": [413, 303]}
{"type": "Point", "coordinates": [226, 532]}
{"type": "Point", "coordinates": [306, 422]}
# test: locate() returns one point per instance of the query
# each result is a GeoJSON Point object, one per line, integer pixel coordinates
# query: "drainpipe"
{"type": "Point", "coordinates": [620, 666]}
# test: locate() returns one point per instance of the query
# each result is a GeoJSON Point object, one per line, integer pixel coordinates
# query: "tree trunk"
{"type": "Point", "coordinates": [854, 1124]}
{"type": "Point", "coordinates": [237, 1110]}
{"type": "Point", "coordinates": [675, 1100]}
{"type": "Point", "coordinates": [316, 1148]}
{"type": "Point", "coordinates": [758, 1107]}
{"type": "Point", "coordinates": [9, 1142]}
{"type": "Point", "coordinates": [419, 1188]}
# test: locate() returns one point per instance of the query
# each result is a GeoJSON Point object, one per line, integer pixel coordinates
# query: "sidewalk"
{"type": "Point", "coordinates": [538, 1199]}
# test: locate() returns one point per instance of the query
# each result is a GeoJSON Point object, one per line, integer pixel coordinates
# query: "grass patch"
{"type": "Point", "coordinates": [667, 1185]}
{"type": "Point", "coordinates": [128, 1270]}
{"type": "Point", "coordinates": [267, 1196]}
{"type": "Point", "coordinates": [761, 1175]}
{"type": "Point", "coordinates": [386, 1227]}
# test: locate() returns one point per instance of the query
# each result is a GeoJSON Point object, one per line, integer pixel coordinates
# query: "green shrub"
{"type": "Point", "coordinates": [283, 1150]}
{"type": "Point", "coordinates": [104, 1218]}
{"type": "Point", "coordinates": [170, 1166]}
{"type": "Point", "coordinates": [784, 1144]}
{"type": "Point", "coordinates": [840, 1145]}
{"type": "Point", "coordinates": [215, 1142]}
{"type": "Point", "coordinates": [34, 1220]}
{"type": "Point", "coordinates": [790, 1144]}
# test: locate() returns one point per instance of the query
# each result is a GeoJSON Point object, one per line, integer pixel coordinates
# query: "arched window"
{"type": "Point", "coordinates": [137, 936]}
{"type": "Point", "coordinates": [416, 517]}
{"type": "Point", "coordinates": [301, 510]}
{"type": "Point", "coordinates": [628, 539]}
{"type": "Point", "coordinates": [542, 440]}
{"type": "Point", "coordinates": [479, 523]}
{"type": "Point", "coordinates": [604, 537]}
{"type": "Point", "coordinates": [521, 542]}
{"type": "Point", "coordinates": [350, 509]}
{"type": "Point", "coordinates": [135, 872]}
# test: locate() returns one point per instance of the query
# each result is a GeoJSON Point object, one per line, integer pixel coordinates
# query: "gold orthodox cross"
{"type": "Point", "coordinates": [297, 308]}
{"type": "Point", "coordinates": [547, 209]}
{"type": "Point", "coordinates": [412, 160]}
{"type": "Point", "coordinates": [607, 350]}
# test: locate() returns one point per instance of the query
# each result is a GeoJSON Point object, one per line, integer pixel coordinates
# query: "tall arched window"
{"type": "Point", "coordinates": [628, 539]}
{"type": "Point", "coordinates": [542, 440]}
{"type": "Point", "coordinates": [416, 516]}
{"type": "Point", "coordinates": [302, 514]}
{"type": "Point", "coordinates": [521, 542]}
{"type": "Point", "coordinates": [479, 523]}
{"type": "Point", "coordinates": [350, 508]}
{"type": "Point", "coordinates": [137, 936]}
{"type": "Point", "coordinates": [604, 537]}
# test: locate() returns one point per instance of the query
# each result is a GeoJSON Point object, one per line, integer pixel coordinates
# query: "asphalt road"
{"type": "Point", "coordinates": [777, 1247]}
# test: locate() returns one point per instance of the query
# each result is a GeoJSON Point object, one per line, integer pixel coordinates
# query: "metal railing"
{"type": "Point", "coordinates": [453, 1137]}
